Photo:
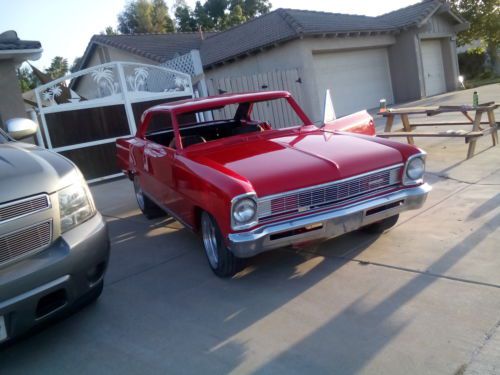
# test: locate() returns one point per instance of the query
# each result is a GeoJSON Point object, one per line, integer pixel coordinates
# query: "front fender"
{"type": "Point", "coordinates": [210, 187]}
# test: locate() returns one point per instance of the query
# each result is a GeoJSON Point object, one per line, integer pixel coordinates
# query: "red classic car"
{"type": "Point", "coordinates": [219, 168]}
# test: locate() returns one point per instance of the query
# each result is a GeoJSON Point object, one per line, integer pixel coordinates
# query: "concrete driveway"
{"type": "Point", "coordinates": [423, 298]}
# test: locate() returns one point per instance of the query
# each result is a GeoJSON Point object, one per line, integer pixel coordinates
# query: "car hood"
{"type": "Point", "coordinates": [28, 170]}
{"type": "Point", "coordinates": [288, 160]}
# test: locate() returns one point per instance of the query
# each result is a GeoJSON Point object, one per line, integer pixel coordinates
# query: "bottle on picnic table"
{"type": "Point", "coordinates": [475, 99]}
{"type": "Point", "coordinates": [383, 105]}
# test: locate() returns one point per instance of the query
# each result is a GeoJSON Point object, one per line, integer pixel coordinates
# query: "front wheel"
{"type": "Point", "coordinates": [222, 261]}
{"type": "Point", "coordinates": [382, 225]}
{"type": "Point", "coordinates": [148, 208]}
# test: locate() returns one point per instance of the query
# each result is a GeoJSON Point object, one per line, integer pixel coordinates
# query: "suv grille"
{"type": "Point", "coordinates": [27, 240]}
{"type": "Point", "coordinates": [23, 207]}
{"type": "Point", "coordinates": [329, 194]}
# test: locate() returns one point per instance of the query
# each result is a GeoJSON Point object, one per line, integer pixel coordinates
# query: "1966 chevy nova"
{"type": "Point", "coordinates": [219, 168]}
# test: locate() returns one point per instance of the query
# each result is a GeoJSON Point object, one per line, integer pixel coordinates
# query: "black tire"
{"type": "Point", "coordinates": [220, 259]}
{"type": "Point", "coordinates": [148, 208]}
{"type": "Point", "coordinates": [382, 225]}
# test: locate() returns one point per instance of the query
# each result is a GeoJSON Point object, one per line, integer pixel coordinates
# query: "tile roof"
{"type": "Point", "coordinates": [157, 47]}
{"type": "Point", "coordinates": [9, 41]}
{"type": "Point", "coordinates": [411, 15]}
{"type": "Point", "coordinates": [273, 28]}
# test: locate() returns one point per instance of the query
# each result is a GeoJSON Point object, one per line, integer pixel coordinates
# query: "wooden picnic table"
{"type": "Point", "coordinates": [473, 116]}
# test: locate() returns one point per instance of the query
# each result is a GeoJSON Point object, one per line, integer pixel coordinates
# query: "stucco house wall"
{"type": "Point", "coordinates": [13, 52]}
{"type": "Point", "coordinates": [298, 54]}
{"type": "Point", "coordinates": [11, 103]}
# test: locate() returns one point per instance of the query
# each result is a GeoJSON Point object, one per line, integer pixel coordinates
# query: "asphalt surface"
{"type": "Point", "coordinates": [423, 298]}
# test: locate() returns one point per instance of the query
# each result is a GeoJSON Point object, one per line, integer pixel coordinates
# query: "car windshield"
{"type": "Point", "coordinates": [222, 122]}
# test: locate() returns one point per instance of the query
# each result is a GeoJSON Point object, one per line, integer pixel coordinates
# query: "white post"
{"type": "Point", "coordinates": [198, 71]}
{"type": "Point", "coordinates": [39, 137]}
{"type": "Point", "coordinates": [42, 116]}
{"type": "Point", "coordinates": [126, 100]}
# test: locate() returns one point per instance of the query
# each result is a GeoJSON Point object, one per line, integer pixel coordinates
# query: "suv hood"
{"type": "Point", "coordinates": [28, 170]}
{"type": "Point", "coordinates": [292, 159]}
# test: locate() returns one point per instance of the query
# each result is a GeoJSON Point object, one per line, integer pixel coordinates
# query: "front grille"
{"type": "Point", "coordinates": [23, 207]}
{"type": "Point", "coordinates": [329, 194]}
{"type": "Point", "coordinates": [27, 240]}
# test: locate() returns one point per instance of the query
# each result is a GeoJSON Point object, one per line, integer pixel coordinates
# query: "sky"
{"type": "Point", "coordinates": [64, 27]}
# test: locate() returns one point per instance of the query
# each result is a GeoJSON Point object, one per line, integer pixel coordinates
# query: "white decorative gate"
{"type": "Point", "coordinates": [84, 113]}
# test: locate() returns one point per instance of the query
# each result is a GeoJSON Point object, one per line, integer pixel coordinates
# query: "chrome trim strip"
{"type": "Point", "coordinates": [33, 251]}
{"type": "Point", "coordinates": [12, 203]}
{"type": "Point", "coordinates": [329, 185]}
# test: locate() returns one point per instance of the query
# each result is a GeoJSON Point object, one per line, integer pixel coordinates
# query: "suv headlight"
{"type": "Point", "coordinates": [244, 211]}
{"type": "Point", "coordinates": [75, 205]}
{"type": "Point", "coordinates": [414, 169]}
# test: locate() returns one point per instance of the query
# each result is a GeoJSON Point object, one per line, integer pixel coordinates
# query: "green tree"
{"type": "Point", "coordinates": [185, 19]}
{"type": "Point", "coordinates": [203, 19]}
{"type": "Point", "coordinates": [145, 16]}
{"type": "Point", "coordinates": [27, 80]}
{"type": "Point", "coordinates": [162, 23]}
{"type": "Point", "coordinates": [251, 8]}
{"type": "Point", "coordinates": [235, 17]}
{"type": "Point", "coordinates": [216, 10]}
{"type": "Point", "coordinates": [76, 64]}
{"type": "Point", "coordinates": [218, 15]}
{"type": "Point", "coordinates": [484, 18]}
{"type": "Point", "coordinates": [109, 31]}
{"type": "Point", "coordinates": [58, 67]}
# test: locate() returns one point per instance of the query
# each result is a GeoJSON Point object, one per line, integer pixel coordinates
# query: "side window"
{"type": "Point", "coordinates": [159, 122]}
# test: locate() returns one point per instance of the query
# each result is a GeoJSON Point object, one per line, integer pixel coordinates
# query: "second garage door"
{"type": "Point", "coordinates": [432, 59]}
{"type": "Point", "coordinates": [358, 79]}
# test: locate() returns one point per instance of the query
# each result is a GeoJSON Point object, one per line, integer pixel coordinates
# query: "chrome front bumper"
{"type": "Point", "coordinates": [327, 224]}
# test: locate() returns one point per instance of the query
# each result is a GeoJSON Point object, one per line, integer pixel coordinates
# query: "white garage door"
{"type": "Point", "coordinates": [358, 79]}
{"type": "Point", "coordinates": [432, 60]}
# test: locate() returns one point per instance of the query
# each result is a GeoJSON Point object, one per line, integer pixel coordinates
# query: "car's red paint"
{"type": "Point", "coordinates": [207, 176]}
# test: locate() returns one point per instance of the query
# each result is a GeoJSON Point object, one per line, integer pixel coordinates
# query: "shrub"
{"type": "Point", "coordinates": [472, 62]}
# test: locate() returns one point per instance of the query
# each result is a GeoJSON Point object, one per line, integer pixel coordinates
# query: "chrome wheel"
{"type": "Point", "coordinates": [139, 195]}
{"type": "Point", "coordinates": [209, 234]}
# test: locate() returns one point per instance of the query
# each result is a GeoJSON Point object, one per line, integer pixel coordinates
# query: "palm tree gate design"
{"type": "Point", "coordinates": [83, 114]}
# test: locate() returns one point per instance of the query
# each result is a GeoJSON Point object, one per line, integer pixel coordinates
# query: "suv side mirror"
{"type": "Point", "coordinates": [20, 128]}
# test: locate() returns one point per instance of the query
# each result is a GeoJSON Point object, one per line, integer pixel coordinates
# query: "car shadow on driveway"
{"type": "Point", "coordinates": [289, 311]}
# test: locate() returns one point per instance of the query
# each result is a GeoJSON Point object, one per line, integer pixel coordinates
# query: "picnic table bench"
{"type": "Point", "coordinates": [470, 136]}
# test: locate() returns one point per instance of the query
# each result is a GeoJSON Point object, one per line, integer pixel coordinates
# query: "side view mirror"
{"type": "Point", "coordinates": [20, 128]}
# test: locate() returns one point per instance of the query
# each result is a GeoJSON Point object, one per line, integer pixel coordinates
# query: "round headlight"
{"type": "Point", "coordinates": [244, 211]}
{"type": "Point", "coordinates": [415, 169]}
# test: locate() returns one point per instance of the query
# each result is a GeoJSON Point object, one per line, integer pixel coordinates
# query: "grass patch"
{"type": "Point", "coordinates": [473, 83]}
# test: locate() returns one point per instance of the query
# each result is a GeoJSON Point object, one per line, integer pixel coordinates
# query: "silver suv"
{"type": "Point", "coordinates": [54, 245]}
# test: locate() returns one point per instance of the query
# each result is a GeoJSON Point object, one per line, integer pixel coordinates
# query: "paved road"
{"type": "Point", "coordinates": [423, 298]}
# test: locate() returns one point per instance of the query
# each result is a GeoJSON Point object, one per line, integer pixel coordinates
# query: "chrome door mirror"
{"type": "Point", "coordinates": [20, 128]}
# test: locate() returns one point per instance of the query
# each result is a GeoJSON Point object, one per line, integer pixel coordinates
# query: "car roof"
{"type": "Point", "coordinates": [211, 102]}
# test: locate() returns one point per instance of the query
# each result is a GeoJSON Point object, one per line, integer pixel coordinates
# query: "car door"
{"type": "Point", "coordinates": [158, 159]}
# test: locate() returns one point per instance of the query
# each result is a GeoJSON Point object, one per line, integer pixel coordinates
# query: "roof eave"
{"type": "Point", "coordinates": [21, 55]}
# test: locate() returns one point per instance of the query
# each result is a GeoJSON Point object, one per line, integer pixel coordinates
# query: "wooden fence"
{"type": "Point", "coordinates": [278, 113]}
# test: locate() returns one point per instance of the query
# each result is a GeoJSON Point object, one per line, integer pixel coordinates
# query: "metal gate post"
{"type": "Point", "coordinates": [44, 122]}
{"type": "Point", "coordinates": [126, 100]}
